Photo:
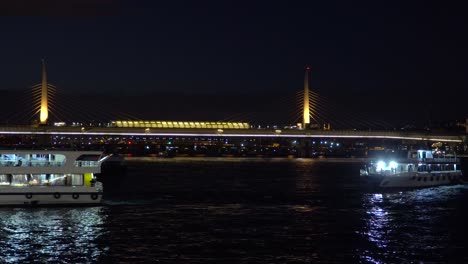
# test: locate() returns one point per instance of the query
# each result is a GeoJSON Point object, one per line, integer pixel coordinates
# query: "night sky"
{"type": "Point", "coordinates": [403, 59]}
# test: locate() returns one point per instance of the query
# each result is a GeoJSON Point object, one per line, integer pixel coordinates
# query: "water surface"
{"type": "Point", "coordinates": [210, 210]}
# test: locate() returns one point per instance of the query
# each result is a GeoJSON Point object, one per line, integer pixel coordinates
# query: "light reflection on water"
{"type": "Point", "coordinates": [60, 235]}
{"type": "Point", "coordinates": [280, 211]}
{"type": "Point", "coordinates": [379, 221]}
{"type": "Point", "coordinates": [409, 226]}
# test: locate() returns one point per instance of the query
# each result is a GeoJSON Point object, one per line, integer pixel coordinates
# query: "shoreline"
{"type": "Point", "coordinates": [221, 159]}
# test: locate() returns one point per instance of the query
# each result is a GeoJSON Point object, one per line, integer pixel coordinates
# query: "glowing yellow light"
{"type": "Point", "coordinates": [180, 124]}
{"type": "Point", "coordinates": [44, 109]}
{"type": "Point", "coordinates": [44, 114]}
{"type": "Point", "coordinates": [306, 113]}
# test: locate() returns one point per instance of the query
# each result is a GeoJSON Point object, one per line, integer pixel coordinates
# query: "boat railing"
{"type": "Point", "coordinates": [393, 171]}
{"type": "Point", "coordinates": [442, 160]}
{"type": "Point", "coordinates": [86, 163]}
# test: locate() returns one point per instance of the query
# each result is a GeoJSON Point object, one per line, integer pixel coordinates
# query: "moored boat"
{"type": "Point", "coordinates": [421, 168]}
{"type": "Point", "coordinates": [43, 177]}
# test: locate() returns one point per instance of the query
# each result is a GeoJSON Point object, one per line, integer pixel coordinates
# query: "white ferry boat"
{"type": "Point", "coordinates": [421, 168]}
{"type": "Point", "coordinates": [42, 177]}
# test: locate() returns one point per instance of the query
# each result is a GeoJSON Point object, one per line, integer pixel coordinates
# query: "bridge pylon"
{"type": "Point", "coordinates": [306, 105]}
{"type": "Point", "coordinates": [44, 111]}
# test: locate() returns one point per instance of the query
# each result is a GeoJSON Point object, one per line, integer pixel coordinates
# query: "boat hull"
{"type": "Point", "coordinates": [415, 180]}
{"type": "Point", "coordinates": [49, 196]}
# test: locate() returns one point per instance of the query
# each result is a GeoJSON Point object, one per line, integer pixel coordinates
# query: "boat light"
{"type": "Point", "coordinates": [380, 165]}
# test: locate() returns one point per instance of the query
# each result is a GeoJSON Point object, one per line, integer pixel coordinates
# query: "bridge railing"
{"type": "Point", "coordinates": [86, 163]}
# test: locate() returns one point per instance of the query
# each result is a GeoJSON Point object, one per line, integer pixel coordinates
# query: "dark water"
{"type": "Point", "coordinates": [242, 211]}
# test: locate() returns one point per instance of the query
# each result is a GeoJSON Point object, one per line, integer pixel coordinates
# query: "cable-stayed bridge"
{"type": "Point", "coordinates": [312, 116]}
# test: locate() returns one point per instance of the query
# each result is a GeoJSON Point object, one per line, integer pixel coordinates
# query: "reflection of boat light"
{"type": "Point", "coordinates": [65, 235]}
{"type": "Point", "coordinates": [377, 228]}
{"type": "Point", "coordinates": [50, 177]}
{"type": "Point", "coordinates": [422, 168]}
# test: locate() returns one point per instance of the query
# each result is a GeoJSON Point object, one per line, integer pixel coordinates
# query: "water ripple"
{"type": "Point", "coordinates": [51, 235]}
{"type": "Point", "coordinates": [241, 211]}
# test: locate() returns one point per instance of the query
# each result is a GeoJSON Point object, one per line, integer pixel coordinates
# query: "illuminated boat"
{"type": "Point", "coordinates": [421, 168]}
{"type": "Point", "coordinates": [42, 177]}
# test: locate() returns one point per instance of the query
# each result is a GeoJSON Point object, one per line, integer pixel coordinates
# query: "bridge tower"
{"type": "Point", "coordinates": [306, 113]}
{"type": "Point", "coordinates": [44, 112]}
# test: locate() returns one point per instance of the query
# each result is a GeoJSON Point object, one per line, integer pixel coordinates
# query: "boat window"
{"type": "Point", "coordinates": [421, 154]}
{"type": "Point", "coordinates": [4, 179]}
{"type": "Point", "coordinates": [38, 179]}
{"type": "Point", "coordinates": [57, 179]}
{"type": "Point", "coordinates": [5, 157]}
{"type": "Point", "coordinates": [76, 179]}
{"type": "Point", "coordinates": [35, 179]}
{"type": "Point", "coordinates": [429, 155]}
{"type": "Point", "coordinates": [19, 180]}
{"type": "Point", "coordinates": [27, 159]}
{"type": "Point", "coordinates": [8, 160]}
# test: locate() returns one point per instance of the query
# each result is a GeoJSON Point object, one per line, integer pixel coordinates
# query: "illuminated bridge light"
{"type": "Point", "coordinates": [179, 124]}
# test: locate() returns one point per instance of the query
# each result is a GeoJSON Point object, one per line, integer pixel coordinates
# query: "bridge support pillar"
{"type": "Point", "coordinates": [43, 141]}
{"type": "Point", "coordinates": [305, 148]}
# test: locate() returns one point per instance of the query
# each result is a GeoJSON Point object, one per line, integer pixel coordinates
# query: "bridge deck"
{"type": "Point", "coordinates": [293, 133]}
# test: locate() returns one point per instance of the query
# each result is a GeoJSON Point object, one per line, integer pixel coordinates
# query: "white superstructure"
{"type": "Point", "coordinates": [421, 168]}
{"type": "Point", "coordinates": [30, 177]}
